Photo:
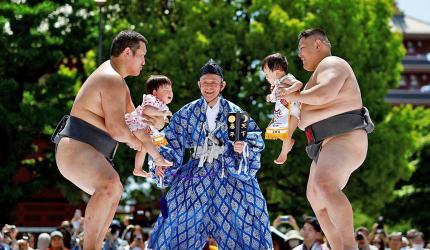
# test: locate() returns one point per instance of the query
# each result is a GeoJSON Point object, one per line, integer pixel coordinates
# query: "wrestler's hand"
{"type": "Point", "coordinates": [159, 171]}
{"type": "Point", "coordinates": [238, 146]}
{"type": "Point", "coordinates": [167, 113]}
{"type": "Point", "coordinates": [156, 121]}
{"type": "Point", "coordinates": [291, 84]}
{"type": "Point", "coordinates": [282, 93]}
{"type": "Point", "coordinates": [147, 119]}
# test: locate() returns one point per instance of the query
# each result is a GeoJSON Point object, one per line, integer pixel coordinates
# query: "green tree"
{"type": "Point", "coordinates": [239, 34]}
{"type": "Point", "coordinates": [40, 73]}
{"type": "Point", "coordinates": [182, 36]}
{"type": "Point", "coordinates": [410, 205]}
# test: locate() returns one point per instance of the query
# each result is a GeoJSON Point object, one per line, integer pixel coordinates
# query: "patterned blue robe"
{"type": "Point", "coordinates": [221, 199]}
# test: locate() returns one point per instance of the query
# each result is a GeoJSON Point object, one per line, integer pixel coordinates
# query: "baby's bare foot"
{"type": "Point", "coordinates": [162, 162]}
{"type": "Point", "coordinates": [281, 159]}
{"type": "Point", "coordinates": [286, 148]}
{"type": "Point", "coordinates": [140, 172]}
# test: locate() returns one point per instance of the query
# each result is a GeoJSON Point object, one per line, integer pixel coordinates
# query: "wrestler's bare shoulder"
{"type": "Point", "coordinates": [105, 78]}
{"type": "Point", "coordinates": [332, 62]}
{"type": "Point", "coordinates": [104, 83]}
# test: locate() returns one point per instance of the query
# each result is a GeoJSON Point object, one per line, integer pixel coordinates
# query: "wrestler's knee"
{"type": "Point", "coordinates": [324, 188]}
{"type": "Point", "coordinates": [313, 198]}
{"type": "Point", "coordinates": [111, 186]}
{"type": "Point", "coordinates": [310, 193]}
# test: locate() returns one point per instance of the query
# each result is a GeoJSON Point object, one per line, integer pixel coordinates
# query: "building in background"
{"type": "Point", "coordinates": [415, 80]}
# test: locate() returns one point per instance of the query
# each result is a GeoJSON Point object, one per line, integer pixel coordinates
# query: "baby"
{"type": "Point", "coordinates": [159, 89]}
{"type": "Point", "coordinates": [286, 115]}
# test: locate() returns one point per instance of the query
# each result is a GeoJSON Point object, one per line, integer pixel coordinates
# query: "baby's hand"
{"type": "Point", "coordinates": [167, 113]}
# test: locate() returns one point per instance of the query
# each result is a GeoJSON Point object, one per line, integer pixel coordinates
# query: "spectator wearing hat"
{"type": "Point", "coordinates": [293, 239]}
{"type": "Point", "coordinates": [395, 241]}
{"type": "Point", "coordinates": [311, 233]}
{"type": "Point", "coordinates": [23, 244]}
{"type": "Point", "coordinates": [66, 228]}
{"type": "Point", "coordinates": [43, 241]}
{"type": "Point", "coordinates": [279, 239]}
{"type": "Point", "coordinates": [410, 234]}
{"type": "Point", "coordinates": [9, 234]}
{"type": "Point", "coordinates": [418, 242]}
{"type": "Point", "coordinates": [57, 242]}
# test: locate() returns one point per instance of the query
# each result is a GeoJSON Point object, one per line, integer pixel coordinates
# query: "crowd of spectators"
{"type": "Point", "coordinates": [311, 237]}
{"type": "Point", "coordinates": [286, 235]}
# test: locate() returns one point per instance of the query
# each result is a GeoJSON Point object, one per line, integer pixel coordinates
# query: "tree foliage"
{"type": "Point", "coordinates": [40, 73]}
{"type": "Point", "coordinates": [49, 66]}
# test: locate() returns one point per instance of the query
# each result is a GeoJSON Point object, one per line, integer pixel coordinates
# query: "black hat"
{"type": "Point", "coordinates": [211, 68]}
{"type": "Point", "coordinates": [115, 223]}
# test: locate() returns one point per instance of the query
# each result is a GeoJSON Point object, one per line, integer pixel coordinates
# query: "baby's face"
{"type": "Point", "coordinates": [270, 75]}
{"type": "Point", "coordinates": [164, 93]}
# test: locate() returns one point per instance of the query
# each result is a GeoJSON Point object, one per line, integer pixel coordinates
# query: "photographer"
{"type": "Point", "coordinates": [112, 240]}
{"type": "Point", "coordinates": [292, 237]}
{"type": "Point", "coordinates": [139, 237]}
{"type": "Point", "coordinates": [378, 229]}
{"type": "Point", "coordinates": [287, 219]}
{"type": "Point", "coordinates": [361, 237]}
{"type": "Point", "coordinates": [138, 243]}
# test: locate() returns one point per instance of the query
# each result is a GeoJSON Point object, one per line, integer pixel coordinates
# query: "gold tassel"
{"type": "Point", "coordinates": [159, 141]}
{"type": "Point", "coordinates": [274, 134]}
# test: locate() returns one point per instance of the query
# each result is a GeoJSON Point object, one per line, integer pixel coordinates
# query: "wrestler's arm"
{"type": "Point", "coordinates": [153, 111]}
{"type": "Point", "coordinates": [330, 77]}
{"type": "Point", "coordinates": [114, 96]}
{"type": "Point", "coordinates": [129, 106]}
{"type": "Point", "coordinates": [297, 85]}
{"type": "Point", "coordinates": [291, 84]}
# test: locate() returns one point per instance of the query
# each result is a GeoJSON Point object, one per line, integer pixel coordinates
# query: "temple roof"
{"type": "Point", "coordinates": [410, 25]}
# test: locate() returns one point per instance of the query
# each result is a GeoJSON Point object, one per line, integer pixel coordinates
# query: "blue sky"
{"type": "Point", "coordinates": [416, 8]}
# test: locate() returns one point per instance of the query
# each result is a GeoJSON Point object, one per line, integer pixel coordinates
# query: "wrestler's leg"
{"type": "Point", "coordinates": [150, 148]}
{"type": "Point", "coordinates": [88, 169]}
{"type": "Point", "coordinates": [330, 231]}
{"type": "Point", "coordinates": [339, 157]}
{"type": "Point", "coordinates": [287, 144]}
